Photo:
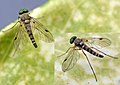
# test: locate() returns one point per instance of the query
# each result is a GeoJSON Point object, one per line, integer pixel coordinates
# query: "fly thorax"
{"type": "Point", "coordinates": [78, 42]}
{"type": "Point", "coordinates": [24, 17]}
{"type": "Point", "coordinates": [27, 21]}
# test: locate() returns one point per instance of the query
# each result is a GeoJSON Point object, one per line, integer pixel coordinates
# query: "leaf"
{"type": "Point", "coordinates": [32, 66]}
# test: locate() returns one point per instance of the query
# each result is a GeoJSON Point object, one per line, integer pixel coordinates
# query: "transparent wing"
{"type": "Point", "coordinates": [20, 38]}
{"type": "Point", "coordinates": [70, 60]}
{"type": "Point", "coordinates": [97, 42]}
{"type": "Point", "coordinates": [44, 33]}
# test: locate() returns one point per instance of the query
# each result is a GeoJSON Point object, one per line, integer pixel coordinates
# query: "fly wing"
{"type": "Point", "coordinates": [42, 31]}
{"type": "Point", "coordinates": [70, 60]}
{"type": "Point", "coordinates": [97, 42]}
{"type": "Point", "coordinates": [20, 38]}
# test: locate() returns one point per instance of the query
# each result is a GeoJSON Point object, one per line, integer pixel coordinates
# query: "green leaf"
{"type": "Point", "coordinates": [83, 18]}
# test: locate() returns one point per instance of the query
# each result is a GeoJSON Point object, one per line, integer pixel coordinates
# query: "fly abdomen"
{"type": "Point", "coordinates": [33, 40]}
{"type": "Point", "coordinates": [28, 28]}
{"type": "Point", "coordinates": [85, 47]}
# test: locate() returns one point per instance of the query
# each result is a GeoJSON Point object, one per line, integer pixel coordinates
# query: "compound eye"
{"type": "Point", "coordinates": [72, 39]}
{"type": "Point", "coordinates": [22, 11]}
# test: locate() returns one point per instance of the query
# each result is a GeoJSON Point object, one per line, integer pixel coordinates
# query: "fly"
{"type": "Point", "coordinates": [26, 26]}
{"type": "Point", "coordinates": [84, 44]}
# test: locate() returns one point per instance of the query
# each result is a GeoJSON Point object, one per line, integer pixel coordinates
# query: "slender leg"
{"type": "Point", "coordinates": [90, 65]}
{"type": "Point", "coordinates": [66, 51]}
{"type": "Point", "coordinates": [105, 53]}
{"type": "Point", "coordinates": [12, 26]}
{"type": "Point", "coordinates": [41, 17]}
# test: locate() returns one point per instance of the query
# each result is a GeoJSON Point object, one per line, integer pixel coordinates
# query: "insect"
{"type": "Point", "coordinates": [26, 26]}
{"type": "Point", "coordinates": [84, 44]}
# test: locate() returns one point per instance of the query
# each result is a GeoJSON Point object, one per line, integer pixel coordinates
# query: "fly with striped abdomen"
{"type": "Point", "coordinates": [72, 54]}
{"type": "Point", "coordinates": [26, 25]}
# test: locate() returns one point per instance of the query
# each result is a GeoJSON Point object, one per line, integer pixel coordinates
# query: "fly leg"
{"type": "Point", "coordinates": [12, 26]}
{"type": "Point", "coordinates": [90, 66]}
{"type": "Point", "coordinates": [66, 51]}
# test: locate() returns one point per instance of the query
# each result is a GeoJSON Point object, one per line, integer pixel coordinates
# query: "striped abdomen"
{"type": "Point", "coordinates": [29, 31]}
{"type": "Point", "coordinates": [85, 47]}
